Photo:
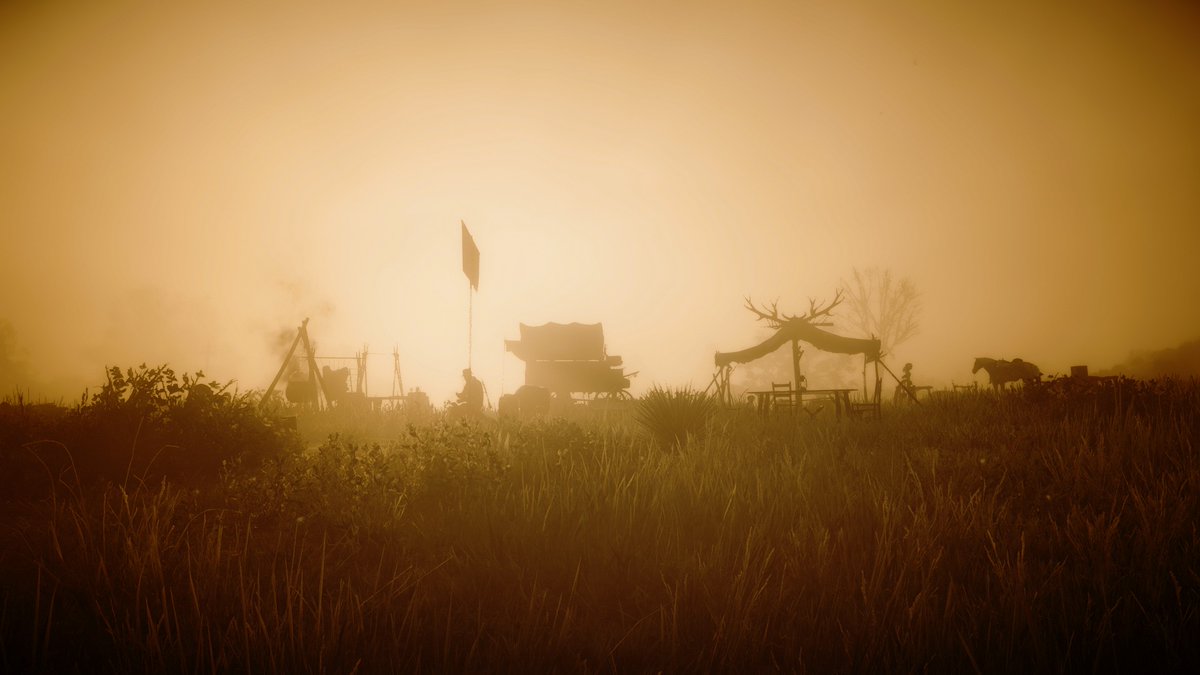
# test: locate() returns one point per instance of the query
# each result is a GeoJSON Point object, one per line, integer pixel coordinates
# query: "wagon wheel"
{"type": "Point", "coordinates": [620, 395]}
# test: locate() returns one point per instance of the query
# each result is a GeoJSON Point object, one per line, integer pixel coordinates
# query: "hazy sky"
{"type": "Point", "coordinates": [180, 182]}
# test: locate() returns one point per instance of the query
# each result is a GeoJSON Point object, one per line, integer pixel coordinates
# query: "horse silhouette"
{"type": "Point", "coordinates": [1001, 372]}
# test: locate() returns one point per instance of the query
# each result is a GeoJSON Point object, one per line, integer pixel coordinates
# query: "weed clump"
{"type": "Point", "coordinates": [675, 416]}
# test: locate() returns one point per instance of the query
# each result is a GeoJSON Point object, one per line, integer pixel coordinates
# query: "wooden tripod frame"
{"type": "Point", "coordinates": [314, 373]}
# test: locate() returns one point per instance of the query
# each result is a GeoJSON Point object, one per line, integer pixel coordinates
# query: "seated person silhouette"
{"type": "Point", "coordinates": [470, 399]}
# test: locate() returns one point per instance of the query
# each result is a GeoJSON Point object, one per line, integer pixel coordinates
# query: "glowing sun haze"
{"type": "Point", "coordinates": [181, 182]}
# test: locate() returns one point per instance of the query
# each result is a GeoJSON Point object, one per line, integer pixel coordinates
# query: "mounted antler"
{"type": "Point", "coordinates": [814, 312]}
{"type": "Point", "coordinates": [774, 317]}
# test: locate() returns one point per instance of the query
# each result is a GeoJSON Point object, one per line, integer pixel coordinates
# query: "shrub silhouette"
{"type": "Point", "coordinates": [145, 424]}
{"type": "Point", "coordinates": [673, 417]}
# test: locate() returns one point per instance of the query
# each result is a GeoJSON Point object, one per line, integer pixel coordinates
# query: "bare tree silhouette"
{"type": "Point", "coordinates": [881, 305]}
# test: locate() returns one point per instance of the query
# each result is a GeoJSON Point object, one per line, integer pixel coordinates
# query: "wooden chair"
{"type": "Point", "coordinates": [783, 399]}
{"type": "Point", "coordinates": [872, 407]}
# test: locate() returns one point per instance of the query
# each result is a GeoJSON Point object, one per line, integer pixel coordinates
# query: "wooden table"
{"type": "Point", "coordinates": [765, 400]}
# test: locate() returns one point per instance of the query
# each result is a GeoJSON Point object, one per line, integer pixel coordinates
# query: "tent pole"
{"type": "Point", "coordinates": [796, 354]}
{"type": "Point", "coordinates": [313, 373]}
{"type": "Point", "coordinates": [470, 322]}
{"type": "Point", "coordinates": [283, 366]}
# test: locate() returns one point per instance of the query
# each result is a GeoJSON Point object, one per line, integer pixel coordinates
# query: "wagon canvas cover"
{"type": "Point", "coordinates": [559, 342]}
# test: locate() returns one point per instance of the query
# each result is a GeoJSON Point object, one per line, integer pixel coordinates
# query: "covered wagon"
{"type": "Point", "coordinates": [569, 359]}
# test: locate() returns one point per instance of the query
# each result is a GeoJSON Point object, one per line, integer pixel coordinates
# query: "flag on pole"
{"type": "Point", "coordinates": [470, 257]}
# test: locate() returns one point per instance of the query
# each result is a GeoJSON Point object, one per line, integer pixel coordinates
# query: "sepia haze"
{"type": "Point", "coordinates": [181, 184]}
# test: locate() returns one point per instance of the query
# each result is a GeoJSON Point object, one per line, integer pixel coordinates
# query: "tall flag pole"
{"type": "Point", "coordinates": [470, 264]}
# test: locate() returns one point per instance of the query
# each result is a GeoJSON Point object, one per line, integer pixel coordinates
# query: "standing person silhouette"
{"type": "Point", "coordinates": [905, 388]}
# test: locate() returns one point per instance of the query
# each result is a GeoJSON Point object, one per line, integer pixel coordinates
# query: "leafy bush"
{"type": "Point", "coordinates": [357, 485]}
{"type": "Point", "coordinates": [673, 417]}
{"type": "Point", "coordinates": [145, 424]}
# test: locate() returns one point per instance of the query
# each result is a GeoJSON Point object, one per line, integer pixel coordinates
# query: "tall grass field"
{"type": "Point", "coordinates": [165, 524]}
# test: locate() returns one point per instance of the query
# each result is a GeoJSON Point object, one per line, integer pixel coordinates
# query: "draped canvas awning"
{"type": "Point", "coordinates": [805, 332]}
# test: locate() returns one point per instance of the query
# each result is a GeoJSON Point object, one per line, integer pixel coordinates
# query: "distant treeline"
{"type": "Point", "coordinates": [1181, 361]}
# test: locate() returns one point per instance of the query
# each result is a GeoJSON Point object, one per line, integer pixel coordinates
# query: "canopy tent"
{"type": "Point", "coordinates": [805, 332]}
{"type": "Point", "coordinates": [794, 330]}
